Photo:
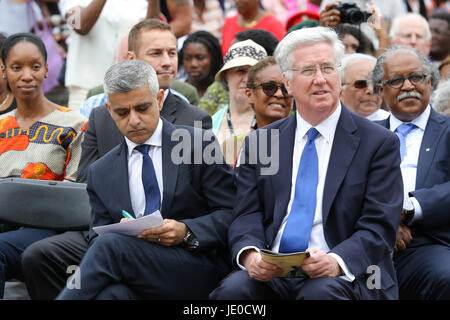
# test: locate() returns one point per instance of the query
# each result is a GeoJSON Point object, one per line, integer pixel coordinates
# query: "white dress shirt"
{"type": "Point", "coordinates": [380, 114]}
{"type": "Point", "coordinates": [408, 165]}
{"type": "Point", "coordinates": [324, 143]}
{"type": "Point", "coordinates": [135, 158]}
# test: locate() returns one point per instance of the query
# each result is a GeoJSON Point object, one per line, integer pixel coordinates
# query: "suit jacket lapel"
{"type": "Point", "coordinates": [428, 147]}
{"type": "Point", "coordinates": [345, 144]}
{"type": "Point", "coordinates": [120, 176]}
{"type": "Point", "coordinates": [170, 169]}
{"type": "Point", "coordinates": [169, 108]}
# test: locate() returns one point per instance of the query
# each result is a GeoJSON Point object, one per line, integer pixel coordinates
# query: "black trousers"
{"type": "Point", "coordinates": [239, 286]}
{"type": "Point", "coordinates": [423, 272]}
{"type": "Point", "coordinates": [121, 267]}
{"type": "Point", "coordinates": [47, 263]}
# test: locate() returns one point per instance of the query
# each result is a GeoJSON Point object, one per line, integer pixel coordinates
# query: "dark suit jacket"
{"type": "Point", "coordinates": [102, 133]}
{"type": "Point", "coordinates": [433, 182]}
{"type": "Point", "coordinates": [362, 197]}
{"type": "Point", "coordinates": [200, 195]}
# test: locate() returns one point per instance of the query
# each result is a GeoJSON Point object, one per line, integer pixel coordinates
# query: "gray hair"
{"type": "Point", "coordinates": [352, 58]}
{"type": "Point", "coordinates": [395, 28]}
{"type": "Point", "coordinates": [441, 97]}
{"type": "Point", "coordinates": [294, 39]}
{"type": "Point", "coordinates": [378, 71]}
{"type": "Point", "coordinates": [128, 75]}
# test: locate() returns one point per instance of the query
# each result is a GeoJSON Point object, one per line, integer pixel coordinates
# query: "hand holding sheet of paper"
{"type": "Point", "coordinates": [132, 227]}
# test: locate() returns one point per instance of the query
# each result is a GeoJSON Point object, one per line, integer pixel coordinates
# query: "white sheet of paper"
{"type": "Point", "coordinates": [132, 227]}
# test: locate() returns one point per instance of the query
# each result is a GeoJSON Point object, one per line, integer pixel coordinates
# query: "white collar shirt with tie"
{"type": "Point", "coordinates": [137, 194]}
{"type": "Point", "coordinates": [408, 166]}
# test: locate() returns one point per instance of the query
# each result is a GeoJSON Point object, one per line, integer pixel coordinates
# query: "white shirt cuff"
{"type": "Point", "coordinates": [418, 213]}
{"type": "Point", "coordinates": [347, 274]}
{"type": "Point", "coordinates": [239, 254]}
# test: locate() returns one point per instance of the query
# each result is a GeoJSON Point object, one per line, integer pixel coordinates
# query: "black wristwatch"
{"type": "Point", "coordinates": [408, 211]}
{"type": "Point", "coordinates": [190, 241]}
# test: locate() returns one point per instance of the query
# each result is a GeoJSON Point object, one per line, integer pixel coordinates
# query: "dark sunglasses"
{"type": "Point", "coordinates": [361, 84]}
{"type": "Point", "coordinates": [270, 88]}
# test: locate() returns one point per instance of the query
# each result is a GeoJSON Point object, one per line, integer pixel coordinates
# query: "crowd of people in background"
{"type": "Point", "coordinates": [77, 76]}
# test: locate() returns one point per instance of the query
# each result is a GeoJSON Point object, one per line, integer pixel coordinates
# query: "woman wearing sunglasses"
{"type": "Point", "coordinates": [267, 94]}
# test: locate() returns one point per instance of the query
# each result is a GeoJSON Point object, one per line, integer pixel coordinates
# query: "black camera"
{"type": "Point", "coordinates": [350, 13]}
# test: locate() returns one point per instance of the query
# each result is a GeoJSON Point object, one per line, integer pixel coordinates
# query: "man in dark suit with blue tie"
{"type": "Point", "coordinates": [186, 257]}
{"type": "Point", "coordinates": [405, 79]}
{"type": "Point", "coordinates": [335, 190]}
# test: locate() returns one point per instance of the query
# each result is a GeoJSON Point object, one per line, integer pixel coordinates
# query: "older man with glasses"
{"type": "Point", "coordinates": [337, 185]}
{"type": "Point", "coordinates": [357, 90]}
{"type": "Point", "coordinates": [405, 79]}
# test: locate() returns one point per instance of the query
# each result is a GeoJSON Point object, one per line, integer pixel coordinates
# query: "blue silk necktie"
{"type": "Point", "coordinates": [402, 131]}
{"type": "Point", "coordinates": [149, 181]}
{"type": "Point", "coordinates": [298, 226]}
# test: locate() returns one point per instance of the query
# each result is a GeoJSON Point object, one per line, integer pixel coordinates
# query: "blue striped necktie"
{"type": "Point", "coordinates": [298, 226]}
{"type": "Point", "coordinates": [149, 181]}
{"type": "Point", "coordinates": [402, 131]}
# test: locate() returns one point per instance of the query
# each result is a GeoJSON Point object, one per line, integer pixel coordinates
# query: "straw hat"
{"type": "Point", "coordinates": [242, 53]}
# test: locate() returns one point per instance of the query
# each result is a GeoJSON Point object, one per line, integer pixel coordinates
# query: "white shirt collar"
{"type": "Point", "coordinates": [154, 140]}
{"type": "Point", "coordinates": [326, 128]}
{"type": "Point", "coordinates": [421, 121]}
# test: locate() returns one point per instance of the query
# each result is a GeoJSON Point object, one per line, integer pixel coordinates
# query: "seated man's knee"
{"type": "Point", "coordinates": [325, 289]}
{"type": "Point", "coordinates": [238, 286]}
{"type": "Point", "coordinates": [35, 253]}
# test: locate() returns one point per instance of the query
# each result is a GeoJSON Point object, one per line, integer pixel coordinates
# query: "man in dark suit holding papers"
{"type": "Point", "coordinates": [336, 193]}
{"type": "Point", "coordinates": [186, 257]}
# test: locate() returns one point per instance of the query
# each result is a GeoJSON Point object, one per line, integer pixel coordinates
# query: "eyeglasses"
{"type": "Point", "coordinates": [310, 70]}
{"type": "Point", "coordinates": [397, 81]}
{"type": "Point", "coordinates": [360, 83]}
{"type": "Point", "coordinates": [270, 88]}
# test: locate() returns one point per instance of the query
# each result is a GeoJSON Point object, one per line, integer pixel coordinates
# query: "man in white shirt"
{"type": "Point", "coordinates": [357, 89]}
{"type": "Point", "coordinates": [405, 79]}
{"type": "Point", "coordinates": [343, 215]}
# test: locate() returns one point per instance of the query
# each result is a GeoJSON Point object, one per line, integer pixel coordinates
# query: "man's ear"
{"type": "Point", "coordinates": [108, 107]}
{"type": "Point", "coordinates": [287, 83]}
{"type": "Point", "coordinates": [131, 55]}
{"type": "Point", "coordinates": [380, 91]}
{"type": "Point", "coordinates": [160, 99]}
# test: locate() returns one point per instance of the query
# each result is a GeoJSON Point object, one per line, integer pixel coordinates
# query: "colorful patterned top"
{"type": "Point", "coordinates": [49, 150]}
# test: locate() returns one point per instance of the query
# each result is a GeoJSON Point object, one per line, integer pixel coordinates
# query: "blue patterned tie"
{"type": "Point", "coordinates": [299, 223]}
{"type": "Point", "coordinates": [149, 181]}
{"type": "Point", "coordinates": [402, 131]}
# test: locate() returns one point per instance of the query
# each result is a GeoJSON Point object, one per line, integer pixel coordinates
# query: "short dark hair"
{"type": "Point", "coordinates": [254, 70]}
{"type": "Point", "coordinates": [365, 44]}
{"type": "Point", "coordinates": [262, 37]}
{"type": "Point", "coordinates": [14, 39]}
{"type": "Point", "coordinates": [212, 45]}
{"type": "Point", "coordinates": [134, 36]}
{"type": "Point", "coordinates": [442, 16]}
{"type": "Point", "coordinates": [2, 40]}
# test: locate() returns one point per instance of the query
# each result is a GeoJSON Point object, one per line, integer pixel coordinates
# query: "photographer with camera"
{"type": "Point", "coordinates": [388, 9]}
{"type": "Point", "coordinates": [364, 14]}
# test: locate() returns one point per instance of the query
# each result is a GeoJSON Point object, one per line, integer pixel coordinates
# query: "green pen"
{"type": "Point", "coordinates": [127, 215]}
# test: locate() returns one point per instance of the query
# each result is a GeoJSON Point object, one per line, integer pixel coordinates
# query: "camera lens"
{"type": "Point", "coordinates": [355, 16]}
